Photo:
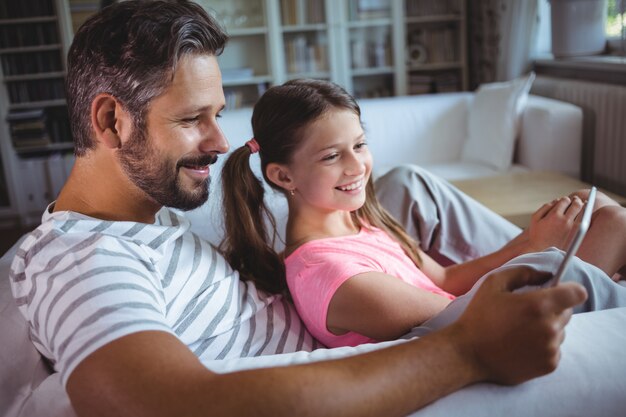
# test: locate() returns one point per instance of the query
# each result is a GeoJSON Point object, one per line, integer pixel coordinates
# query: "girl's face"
{"type": "Point", "coordinates": [332, 166]}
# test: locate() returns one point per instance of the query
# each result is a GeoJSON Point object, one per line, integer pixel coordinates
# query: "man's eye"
{"type": "Point", "coordinates": [191, 120]}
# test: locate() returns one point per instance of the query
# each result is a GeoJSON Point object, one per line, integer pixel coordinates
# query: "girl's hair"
{"type": "Point", "coordinates": [278, 122]}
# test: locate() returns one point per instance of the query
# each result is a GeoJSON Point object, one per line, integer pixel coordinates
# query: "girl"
{"type": "Point", "coordinates": [354, 274]}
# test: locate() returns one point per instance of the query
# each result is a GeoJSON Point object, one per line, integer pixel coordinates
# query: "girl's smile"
{"type": "Point", "coordinates": [353, 187]}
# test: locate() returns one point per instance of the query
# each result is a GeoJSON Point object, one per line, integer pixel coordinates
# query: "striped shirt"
{"type": "Point", "coordinates": [82, 282]}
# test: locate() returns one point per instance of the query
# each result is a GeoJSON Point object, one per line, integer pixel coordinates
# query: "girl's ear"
{"type": "Point", "coordinates": [112, 124]}
{"type": "Point", "coordinates": [279, 174]}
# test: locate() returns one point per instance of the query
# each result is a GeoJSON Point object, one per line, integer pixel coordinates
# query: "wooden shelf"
{"type": "Point", "coordinates": [366, 23]}
{"type": "Point", "coordinates": [36, 48]}
{"type": "Point", "coordinates": [53, 147]}
{"type": "Point", "coordinates": [304, 28]}
{"type": "Point", "coordinates": [314, 74]}
{"type": "Point", "coordinates": [434, 19]}
{"type": "Point", "coordinates": [436, 51]}
{"type": "Point", "coordinates": [27, 20]}
{"type": "Point", "coordinates": [246, 31]}
{"type": "Point", "coordinates": [37, 104]}
{"type": "Point", "coordinates": [435, 66]}
{"type": "Point", "coordinates": [362, 72]}
{"type": "Point", "coordinates": [36, 76]}
{"type": "Point", "coordinates": [248, 81]}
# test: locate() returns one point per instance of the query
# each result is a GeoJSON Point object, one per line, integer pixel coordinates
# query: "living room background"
{"type": "Point", "coordinates": [374, 48]}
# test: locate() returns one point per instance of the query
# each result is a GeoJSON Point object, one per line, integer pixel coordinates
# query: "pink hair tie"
{"type": "Point", "coordinates": [253, 145]}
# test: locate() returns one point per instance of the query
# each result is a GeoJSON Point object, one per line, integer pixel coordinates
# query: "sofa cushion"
{"type": "Point", "coordinates": [415, 129]}
{"type": "Point", "coordinates": [494, 121]}
{"type": "Point", "coordinates": [19, 359]}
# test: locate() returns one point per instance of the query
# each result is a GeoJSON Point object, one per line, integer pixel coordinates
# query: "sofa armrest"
{"type": "Point", "coordinates": [551, 136]}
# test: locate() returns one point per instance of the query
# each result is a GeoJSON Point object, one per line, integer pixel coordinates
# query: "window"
{"type": "Point", "coordinates": [616, 19]}
{"type": "Point", "coordinates": [616, 27]}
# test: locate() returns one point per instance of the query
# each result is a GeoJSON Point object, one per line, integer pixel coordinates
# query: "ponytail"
{"type": "Point", "coordinates": [246, 245]}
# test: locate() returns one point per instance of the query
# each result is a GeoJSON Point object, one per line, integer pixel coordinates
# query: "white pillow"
{"type": "Point", "coordinates": [494, 121]}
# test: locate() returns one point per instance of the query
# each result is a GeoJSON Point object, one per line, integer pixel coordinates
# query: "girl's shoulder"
{"type": "Point", "coordinates": [329, 247]}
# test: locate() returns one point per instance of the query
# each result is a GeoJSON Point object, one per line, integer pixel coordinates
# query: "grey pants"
{"type": "Point", "coordinates": [452, 227]}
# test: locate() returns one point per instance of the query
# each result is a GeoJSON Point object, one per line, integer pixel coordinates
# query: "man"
{"type": "Point", "coordinates": [127, 303]}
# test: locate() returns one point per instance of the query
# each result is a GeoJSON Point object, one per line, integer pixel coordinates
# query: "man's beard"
{"type": "Point", "coordinates": [159, 176]}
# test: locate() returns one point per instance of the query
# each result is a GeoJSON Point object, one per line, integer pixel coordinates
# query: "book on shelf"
{"type": "Point", "coordinates": [370, 54]}
{"type": "Point", "coordinates": [369, 9]}
{"type": "Point", "coordinates": [421, 84]}
{"type": "Point", "coordinates": [28, 128]}
{"type": "Point", "coordinates": [439, 43]}
{"type": "Point", "coordinates": [300, 12]}
{"type": "Point", "coordinates": [12, 9]}
{"type": "Point", "coordinates": [303, 56]}
{"type": "Point", "coordinates": [28, 34]}
{"type": "Point", "coordinates": [419, 8]}
{"type": "Point", "coordinates": [447, 83]}
{"type": "Point", "coordinates": [39, 127]}
{"type": "Point", "coordinates": [58, 125]}
{"type": "Point", "coordinates": [36, 90]}
{"type": "Point", "coordinates": [31, 63]}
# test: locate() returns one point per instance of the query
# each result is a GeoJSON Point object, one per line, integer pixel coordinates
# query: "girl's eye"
{"type": "Point", "coordinates": [360, 145]}
{"type": "Point", "coordinates": [330, 157]}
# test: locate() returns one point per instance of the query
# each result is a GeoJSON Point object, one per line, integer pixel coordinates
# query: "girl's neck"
{"type": "Point", "coordinates": [303, 228]}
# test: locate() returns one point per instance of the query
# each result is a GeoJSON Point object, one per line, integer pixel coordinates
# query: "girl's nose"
{"type": "Point", "coordinates": [355, 164]}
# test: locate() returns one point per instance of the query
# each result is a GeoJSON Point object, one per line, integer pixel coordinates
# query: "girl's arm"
{"type": "Point", "coordinates": [551, 225]}
{"type": "Point", "coordinates": [380, 306]}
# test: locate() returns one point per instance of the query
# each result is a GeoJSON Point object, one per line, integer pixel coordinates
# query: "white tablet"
{"type": "Point", "coordinates": [578, 238]}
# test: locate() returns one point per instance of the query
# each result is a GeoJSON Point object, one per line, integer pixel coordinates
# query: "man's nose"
{"type": "Point", "coordinates": [214, 141]}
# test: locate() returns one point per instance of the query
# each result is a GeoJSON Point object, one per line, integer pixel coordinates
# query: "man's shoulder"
{"type": "Point", "coordinates": [68, 235]}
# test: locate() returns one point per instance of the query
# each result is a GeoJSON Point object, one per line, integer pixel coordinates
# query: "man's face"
{"type": "Point", "coordinates": [170, 160]}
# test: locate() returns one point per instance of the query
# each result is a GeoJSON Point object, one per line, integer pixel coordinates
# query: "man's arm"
{"type": "Point", "coordinates": [502, 337]}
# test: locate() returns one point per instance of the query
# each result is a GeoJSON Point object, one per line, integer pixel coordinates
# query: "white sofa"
{"type": "Point", "coordinates": [430, 130]}
{"type": "Point", "coordinates": [427, 130]}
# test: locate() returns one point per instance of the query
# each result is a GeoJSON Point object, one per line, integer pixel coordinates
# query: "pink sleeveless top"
{"type": "Point", "coordinates": [317, 268]}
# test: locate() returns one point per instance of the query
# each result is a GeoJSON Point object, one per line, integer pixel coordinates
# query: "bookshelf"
{"type": "Point", "coordinates": [436, 58]}
{"type": "Point", "coordinates": [34, 37]}
{"type": "Point", "coordinates": [373, 48]}
{"type": "Point", "coordinates": [370, 40]}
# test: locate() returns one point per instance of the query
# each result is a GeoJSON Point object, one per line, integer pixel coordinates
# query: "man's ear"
{"type": "Point", "coordinates": [111, 123]}
{"type": "Point", "coordinates": [279, 174]}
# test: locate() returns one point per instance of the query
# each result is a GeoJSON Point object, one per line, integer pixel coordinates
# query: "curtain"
{"type": "Point", "coordinates": [483, 40]}
{"type": "Point", "coordinates": [519, 21]}
{"type": "Point", "coordinates": [501, 36]}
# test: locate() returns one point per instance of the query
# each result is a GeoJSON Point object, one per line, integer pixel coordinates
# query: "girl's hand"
{"type": "Point", "coordinates": [554, 223]}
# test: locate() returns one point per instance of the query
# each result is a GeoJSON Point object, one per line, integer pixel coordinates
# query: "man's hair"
{"type": "Point", "coordinates": [130, 50]}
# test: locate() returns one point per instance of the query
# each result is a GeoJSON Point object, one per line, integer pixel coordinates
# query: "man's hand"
{"type": "Point", "coordinates": [515, 337]}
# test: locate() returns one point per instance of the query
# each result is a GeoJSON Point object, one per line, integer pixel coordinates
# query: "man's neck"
{"type": "Point", "coordinates": [111, 196]}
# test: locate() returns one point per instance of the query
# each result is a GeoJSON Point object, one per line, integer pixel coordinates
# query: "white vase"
{"type": "Point", "coordinates": [578, 27]}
